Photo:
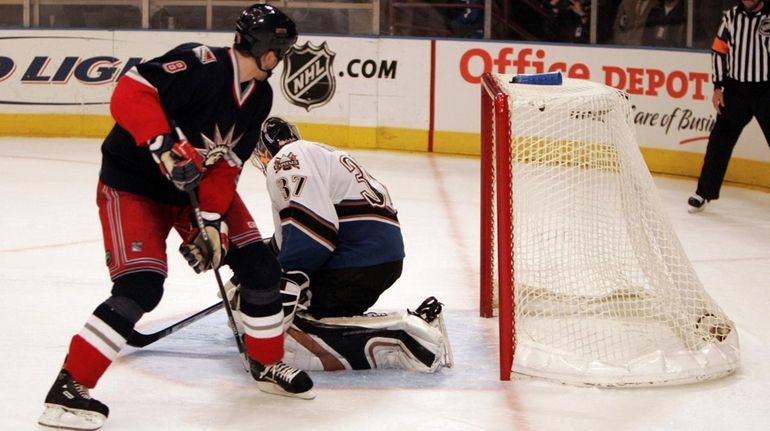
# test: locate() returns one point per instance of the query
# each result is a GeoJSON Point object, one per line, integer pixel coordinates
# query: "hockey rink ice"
{"type": "Point", "coordinates": [52, 277]}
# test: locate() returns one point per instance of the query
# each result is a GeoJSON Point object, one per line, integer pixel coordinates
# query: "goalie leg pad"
{"type": "Point", "coordinates": [368, 320]}
{"type": "Point", "coordinates": [430, 310]}
{"type": "Point", "coordinates": [311, 353]}
{"type": "Point", "coordinates": [429, 337]}
{"type": "Point", "coordinates": [425, 325]}
{"type": "Point", "coordinates": [232, 290]}
{"type": "Point", "coordinates": [294, 295]}
{"type": "Point", "coordinates": [385, 340]}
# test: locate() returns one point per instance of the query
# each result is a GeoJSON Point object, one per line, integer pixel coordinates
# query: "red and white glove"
{"type": "Point", "coordinates": [178, 160]}
{"type": "Point", "coordinates": [201, 253]}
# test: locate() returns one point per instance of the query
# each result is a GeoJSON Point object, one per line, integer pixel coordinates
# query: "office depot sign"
{"type": "Point", "coordinates": [634, 80]}
{"type": "Point", "coordinates": [670, 90]}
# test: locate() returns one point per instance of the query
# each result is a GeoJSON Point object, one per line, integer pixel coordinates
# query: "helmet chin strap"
{"type": "Point", "coordinates": [259, 66]}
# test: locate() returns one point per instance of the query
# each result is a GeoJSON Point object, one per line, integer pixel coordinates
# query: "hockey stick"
{"type": "Point", "coordinates": [138, 339]}
{"type": "Point", "coordinates": [238, 340]}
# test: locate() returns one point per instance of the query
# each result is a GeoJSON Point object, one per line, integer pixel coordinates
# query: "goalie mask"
{"type": "Point", "coordinates": [275, 134]}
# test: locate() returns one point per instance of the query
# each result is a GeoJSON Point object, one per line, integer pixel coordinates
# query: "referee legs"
{"type": "Point", "coordinates": [735, 115]}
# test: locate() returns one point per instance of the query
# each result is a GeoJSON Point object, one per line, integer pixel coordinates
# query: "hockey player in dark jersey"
{"type": "Point", "coordinates": [185, 122]}
{"type": "Point", "coordinates": [338, 240]}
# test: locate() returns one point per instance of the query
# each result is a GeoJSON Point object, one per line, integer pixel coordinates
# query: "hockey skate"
{"type": "Point", "coordinates": [281, 379]}
{"type": "Point", "coordinates": [696, 203]}
{"type": "Point", "coordinates": [431, 311]}
{"type": "Point", "coordinates": [68, 405]}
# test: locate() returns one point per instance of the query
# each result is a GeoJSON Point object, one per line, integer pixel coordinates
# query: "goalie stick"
{"type": "Point", "coordinates": [138, 339]}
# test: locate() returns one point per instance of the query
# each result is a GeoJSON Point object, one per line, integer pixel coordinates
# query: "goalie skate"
{"type": "Point", "coordinates": [68, 405]}
{"type": "Point", "coordinates": [431, 311]}
{"type": "Point", "coordinates": [281, 379]}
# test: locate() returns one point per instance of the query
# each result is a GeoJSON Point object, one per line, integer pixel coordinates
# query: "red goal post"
{"type": "Point", "coordinates": [496, 197]}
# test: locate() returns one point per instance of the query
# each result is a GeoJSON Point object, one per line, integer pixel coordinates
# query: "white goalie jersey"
{"type": "Point", "coordinates": [328, 211]}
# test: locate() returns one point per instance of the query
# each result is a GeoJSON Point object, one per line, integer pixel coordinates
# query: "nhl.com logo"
{"type": "Point", "coordinates": [307, 79]}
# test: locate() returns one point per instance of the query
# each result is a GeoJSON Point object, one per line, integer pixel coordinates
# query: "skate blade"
{"type": "Point", "coordinates": [272, 388]}
{"type": "Point", "coordinates": [56, 416]}
{"type": "Point", "coordinates": [448, 357]}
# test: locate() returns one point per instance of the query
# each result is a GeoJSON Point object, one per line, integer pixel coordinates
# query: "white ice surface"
{"type": "Point", "coordinates": [52, 276]}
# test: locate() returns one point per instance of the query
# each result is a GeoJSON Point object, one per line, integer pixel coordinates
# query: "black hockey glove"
{"type": "Point", "coordinates": [178, 160]}
{"type": "Point", "coordinates": [201, 254]}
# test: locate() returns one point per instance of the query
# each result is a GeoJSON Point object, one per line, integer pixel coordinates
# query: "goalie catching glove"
{"type": "Point", "coordinates": [178, 160]}
{"type": "Point", "coordinates": [206, 249]}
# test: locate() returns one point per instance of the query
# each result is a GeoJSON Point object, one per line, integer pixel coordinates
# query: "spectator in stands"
{"type": "Point", "coordinates": [525, 20]}
{"type": "Point", "coordinates": [606, 10]}
{"type": "Point", "coordinates": [468, 22]}
{"type": "Point", "coordinates": [630, 21]}
{"type": "Point", "coordinates": [706, 19]}
{"type": "Point", "coordinates": [666, 25]}
{"type": "Point", "coordinates": [569, 21]}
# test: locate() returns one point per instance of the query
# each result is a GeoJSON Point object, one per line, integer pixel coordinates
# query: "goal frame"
{"type": "Point", "coordinates": [496, 175]}
{"type": "Point", "coordinates": [649, 321]}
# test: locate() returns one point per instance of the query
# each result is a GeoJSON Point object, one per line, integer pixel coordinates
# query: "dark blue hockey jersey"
{"type": "Point", "coordinates": [198, 88]}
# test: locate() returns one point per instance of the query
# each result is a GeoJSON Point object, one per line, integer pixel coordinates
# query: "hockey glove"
{"type": "Point", "coordinates": [202, 254]}
{"type": "Point", "coordinates": [178, 160]}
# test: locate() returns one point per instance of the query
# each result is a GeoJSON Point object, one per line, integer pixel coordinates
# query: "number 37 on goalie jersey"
{"type": "Point", "coordinates": [323, 195]}
{"type": "Point", "coordinates": [353, 182]}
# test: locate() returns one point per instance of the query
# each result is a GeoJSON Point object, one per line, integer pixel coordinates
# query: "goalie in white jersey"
{"type": "Point", "coordinates": [338, 240]}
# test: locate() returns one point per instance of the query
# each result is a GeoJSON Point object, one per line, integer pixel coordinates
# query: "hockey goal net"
{"type": "Point", "coordinates": [578, 257]}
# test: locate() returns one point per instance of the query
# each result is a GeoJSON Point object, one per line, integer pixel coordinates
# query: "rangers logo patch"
{"type": "Point", "coordinates": [307, 79]}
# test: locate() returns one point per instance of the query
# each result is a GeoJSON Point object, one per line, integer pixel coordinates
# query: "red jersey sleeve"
{"type": "Point", "coordinates": [135, 106]}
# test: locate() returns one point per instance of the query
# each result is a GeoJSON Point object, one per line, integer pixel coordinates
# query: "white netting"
{"type": "Point", "coordinates": [603, 291]}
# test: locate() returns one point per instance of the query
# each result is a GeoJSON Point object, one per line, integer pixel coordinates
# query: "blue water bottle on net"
{"type": "Point", "coordinates": [550, 78]}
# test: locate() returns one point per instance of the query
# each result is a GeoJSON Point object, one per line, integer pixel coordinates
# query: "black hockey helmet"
{"type": "Point", "coordinates": [262, 28]}
{"type": "Point", "coordinates": [275, 133]}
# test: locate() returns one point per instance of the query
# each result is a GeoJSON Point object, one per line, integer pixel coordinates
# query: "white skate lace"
{"type": "Point", "coordinates": [82, 390]}
{"type": "Point", "coordinates": [282, 371]}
